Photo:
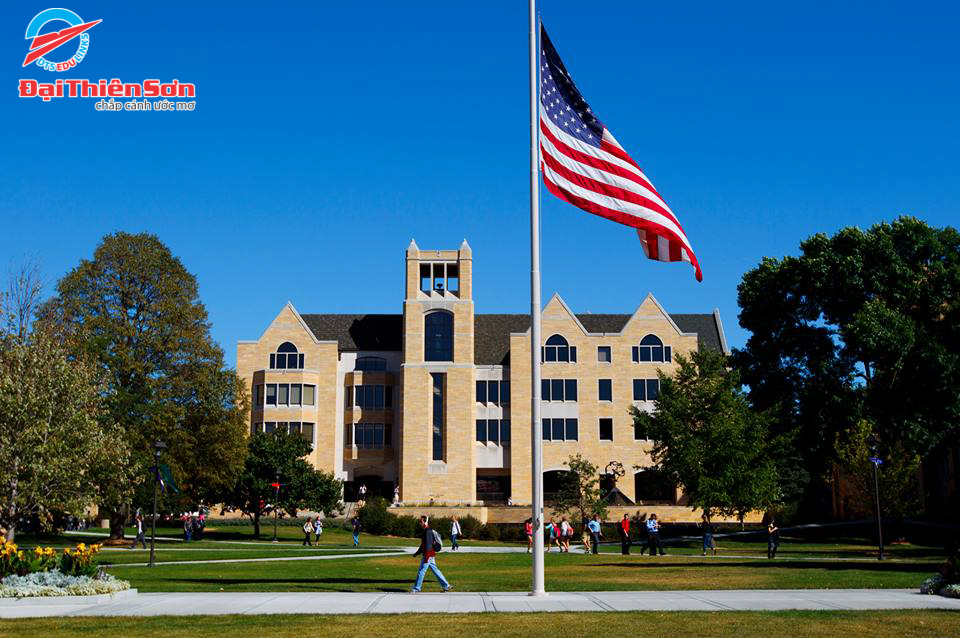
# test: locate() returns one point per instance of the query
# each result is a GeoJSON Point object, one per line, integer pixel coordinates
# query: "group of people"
{"type": "Point", "coordinates": [560, 535]}
{"type": "Point", "coordinates": [312, 526]}
{"type": "Point", "coordinates": [193, 526]}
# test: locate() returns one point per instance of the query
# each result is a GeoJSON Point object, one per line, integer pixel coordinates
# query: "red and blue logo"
{"type": "Point", "coordinates": [52, 40]}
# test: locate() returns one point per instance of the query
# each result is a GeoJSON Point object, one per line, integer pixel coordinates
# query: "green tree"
{"type": "Point", "coordinates": [55, 438]}
{"type": "Point", "coordinates": [301, 486]}
{"type": "Point", "coordinates": [580, 490]}
{"type": "Point", "coordinates": [134, 310]}
{"type": "Point", "coordinates": [897, 475]}
{"type": "Point", "coordinates": [861, 325]}
{"type": "Point", "coordinates": [709, 441]}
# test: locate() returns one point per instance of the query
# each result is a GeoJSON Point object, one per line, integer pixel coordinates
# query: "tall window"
{"type": "Point", "coordinates": [286, 358]}
{"type": "Point", "coordinates": [652, 349]}
{"type": "Point", "coordinates": [437, 415]}
{"type": "Point", "coordinates": [493, 392]}
{"type": "Point", "coordinates": [558, 350]}
{"type": "Point", "coordinates": [493, 431]}
{"type": "Point", "coordinates": [438, 336]}
{"type": "Point", "coordinates": [291, 394]}
{"type": "Point", "coordinates": [646, 389]}
{"type": "Point", "coordinates": [605, 389]}
{"type": "Point", "coordinates": [606, 429]}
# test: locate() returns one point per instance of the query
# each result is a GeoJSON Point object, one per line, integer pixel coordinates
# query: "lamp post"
{"type": "Point", "coordinates": [873, 444]}
{"type": "Point", "coordinates": [276, 497]}
{"type": "Point", "coordinates": [158, 447]}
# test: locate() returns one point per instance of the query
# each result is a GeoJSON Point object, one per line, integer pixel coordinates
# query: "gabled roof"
{"type": "Point", "coordinates": [491, 332]}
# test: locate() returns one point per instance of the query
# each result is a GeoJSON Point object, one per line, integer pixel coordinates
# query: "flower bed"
{"type": "Point", "coordinates": [56, 583]}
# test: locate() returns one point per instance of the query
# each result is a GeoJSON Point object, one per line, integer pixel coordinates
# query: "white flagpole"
{"type": "Point", "coordinates": [536, 440]}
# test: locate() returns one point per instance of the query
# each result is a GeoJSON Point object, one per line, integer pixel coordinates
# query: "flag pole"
{"type": "Point", "coordinates": [536, 441]}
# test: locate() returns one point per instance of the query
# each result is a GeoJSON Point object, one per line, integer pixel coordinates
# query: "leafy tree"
{"type": "Point", "coordinates": [709, 441]}
{"type": "Point", "coordinates": [55, 441]}
{"type": "Point", "coordinates": [301, 486]}
{"type": "Point", "coordinates": [134, 310]}
{"type": "Point", "coordinates": [580, 490]}
{"type": "Point", "coordinates": [861, 325]}
{"type": "Point", "coordinates": [897, 476]}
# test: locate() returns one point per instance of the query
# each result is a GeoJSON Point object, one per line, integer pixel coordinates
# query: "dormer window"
{"type": "Point", "coordinates": [286, 358]}
{"type": "Point", "coordinates": [370, 364]}
{"type": "Point", "coordinates": [651, 349]}
{"type": "Point", "coordinates": [558, 350]}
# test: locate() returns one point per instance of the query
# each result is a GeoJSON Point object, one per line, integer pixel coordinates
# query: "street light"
{"type": "Point", "coordinates": [158, 447]}
{"type": "Point", "coordinates": [276, 497]}
{"type": "Point", "coordinates": [873, 444]}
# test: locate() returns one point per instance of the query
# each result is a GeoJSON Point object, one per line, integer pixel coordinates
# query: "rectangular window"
{"type": "Point", "coordinates": [504, 392]}
{"type": "Point", "coordinates": [453, 278]}
{"type": "Point", "coordinates": [482, 430]}
{"type": "Point", "coordinates": [667, 354]}
{"type": "Point", "coordinates": [309, 394]}
{"type": "Point", "coordinates": [271, 394]}
{"type": "Point", "coordinates": [546, 429]}
{"type": "Point", "coordinates": [378, 397]}
{"type": "Point", "coordinates": [258, 395]}
{"type": "Point", "coordinates": [493, 391]}
{"type": "Point", "coordinates": [368, 401]}
{"type": "Point", "coordinates": [639, 390]}
{"type": "Point", "coordinates": [504, 431]}
{"type": "Point", "coordinates": [273, 362]}
{"type": "Point", "coordinates": [358, 392]}
{"type": "Point", "coordinates": [367, 435]}
{"type": "Point", "coordinates": [425, 277]}
{"type": "Point", "coordinates": [387, 435]}
{"type": "Point", "coordinates": [545, 389]}
{"type": "Point", "coordinates": [653, 389]}
{"type": "Point", "coordinates": [348, 435]}
{"type": "Point", "coordinates": [606, 429]}
{"type": "Point", "coordinates": [636, 354]}
{"type": "Point", "coordinates": [307, 432]}
{"type": "Point", "coordinates": [645, 354]}
{"type": "Point", "coordinates": [378, 435]}
{"type": "Point", "coordinates": [481, 391]}
{"type": "Point", "coordinates": [269, 427]}
{"type": "Point", "coordinates": [605, 390]}
{"type": "Point", "coordinates": [283, 394]}
{"type": "Point", "coordinates": [639, 433]}
{"type": "Point", "coordinates": [301, 361]}
{"type": "Point", "coordinates": [281, 361]}
{"type": "Point", "coordinates": [296, 393]}
{"type": "Point", "coordinates": [556, 389]}
{"type": "Point", "coordinates": [293, 427]}
{"type": "Point", "coordinates": [438, 404]}
{"type": "Point", "coordinates": [557, 429]}
{"type": "Point", "coordinates": [551, 354]}
{"type": "Point", "coordinates": [493, 431]}
{"type": "Point", "coordinates": [573, 354]}
{"type": "Point", "coordinates": [657, 354]}
{"type": "Point", "coordinates": [604, 355]}
{"type": "Point", "coordinates": [570, 390]}
{"type": "Point", "coordinates": [388, 397]}
{"type": "Point", "coordinates": [572, 434]}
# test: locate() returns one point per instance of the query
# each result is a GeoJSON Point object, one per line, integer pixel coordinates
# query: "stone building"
{"type": "Point", "coordinates": [437, 399]}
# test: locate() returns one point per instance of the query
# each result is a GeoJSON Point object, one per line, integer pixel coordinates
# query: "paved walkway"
{"type": "Point", "coordinates": [180, 604]}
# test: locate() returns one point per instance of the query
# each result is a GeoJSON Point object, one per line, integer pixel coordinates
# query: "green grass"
{"type": "Point", "coordinates": [726, 624]}
{"type": "Point", "coordinates": [511, 572]}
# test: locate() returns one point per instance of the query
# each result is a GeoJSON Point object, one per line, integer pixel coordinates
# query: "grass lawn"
{"type": "Point", "coordinates": [511, 572]}
{"type": "Point", "coordinates": [799, 624]}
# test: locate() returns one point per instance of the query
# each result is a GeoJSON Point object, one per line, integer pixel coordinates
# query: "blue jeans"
{"type": "Point", "coordinates": [453, 541]}
{"type": "Point", "coordinates": [356, 538]}
{"type": "Point", "coordinates": [431, 564]}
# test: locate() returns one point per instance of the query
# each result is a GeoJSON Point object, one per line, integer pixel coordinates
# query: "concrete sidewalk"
{"type": "Point", "coordinates": [181, 604]}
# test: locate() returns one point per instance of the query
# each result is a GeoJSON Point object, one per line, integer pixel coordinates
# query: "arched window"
{"type": "Point", "coordinates": [368, 364]}
{"type": "Point", "coordinates": [558, 350]}
{"type": "Point", "coordinates": [652, 349]}
{"type": "Point", "coordinates": [438, 336]}
{"type": "Point", "coordinates": [286, 358]}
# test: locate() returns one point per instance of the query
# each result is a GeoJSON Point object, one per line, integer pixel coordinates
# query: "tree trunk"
{"type": "Point", "coordinates": [118, 518]}
{"type": "Point", "coordinates": [256, 525]}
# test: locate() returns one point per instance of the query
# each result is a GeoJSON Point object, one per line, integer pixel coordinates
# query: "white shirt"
{"type": "Point", "coordinates": [455, 528]}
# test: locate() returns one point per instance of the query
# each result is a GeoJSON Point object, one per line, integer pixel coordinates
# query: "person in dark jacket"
{"type": "Point", "coordinates": [773, 538]}
{"type": "Point", "coordinates": [707, 528]}
{"type": "Point", "coordinates": [429, 546]}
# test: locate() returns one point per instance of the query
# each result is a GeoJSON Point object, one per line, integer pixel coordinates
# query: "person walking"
{"type": "Point", "coordinates": [317, 528]}
{"type": "Point", "coordinates": [396, 495]}
{"type": "Point", "coordinates": [624, 530]}
{"type": "Point", "coordinates": [187, 528]}
{"type": "Point", "coordinates": [773, 538]}
{"type": "Point", "coordinates": [566, 531]}
{"type": "Point", "coordinates": [357, 528]}
{"type": "Point", "coordinates": [551, 532]}
{"type": "Point", "coordinates": [595, 533]}
{"type": "Point", "coordinates": [455, 534]}
{"type": "Point", "coordinates": [362, 498]}
{"type": "Point", "coordinates": [707, 528]}
{"type": "Point", "coordinates": [429, 546]}
{"type": "Point", "coordinates": [653, 536]}
{"type": "Point", "coordinates": [528, 530]}
{"type": "Point", "coordinates": [138, 523]}
{"type": "Point", "coordinates": [307, 530]}
{"type": "Point", "coordinates": [585, 534]}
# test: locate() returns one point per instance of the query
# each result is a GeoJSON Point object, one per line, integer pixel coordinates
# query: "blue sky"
{"type": "Point", "coordinates": [326, 136]}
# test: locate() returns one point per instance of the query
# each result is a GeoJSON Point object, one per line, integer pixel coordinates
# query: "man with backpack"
{"type": "Point", "coordinates": [429, 546]}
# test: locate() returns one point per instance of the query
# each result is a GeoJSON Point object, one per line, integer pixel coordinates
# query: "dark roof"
{"type": "Point", "coordinates": [358, 332]}
{"type": "Point", "coordinates": [491, 332]}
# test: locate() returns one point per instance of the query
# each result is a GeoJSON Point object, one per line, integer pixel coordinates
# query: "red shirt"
{"type": "Point", "coordinates": [625, 525]}
{"type": "Point", "coordinates": [528, 528]}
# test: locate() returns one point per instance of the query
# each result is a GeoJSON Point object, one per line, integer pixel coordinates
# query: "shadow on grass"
{"type": "Point", "coordinates": [877, 566]}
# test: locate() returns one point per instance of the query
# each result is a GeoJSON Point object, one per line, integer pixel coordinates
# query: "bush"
{"type": "Point", "coordinates": [56, 583]}
{"type": "Point", "coordinates": [375, 518]}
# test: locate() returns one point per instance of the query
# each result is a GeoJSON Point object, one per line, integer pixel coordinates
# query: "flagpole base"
{"type": "Point", "coordinates": [542, 593]}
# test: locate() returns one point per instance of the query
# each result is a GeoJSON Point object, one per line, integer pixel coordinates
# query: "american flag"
{"type": "Point", "coordinates": [584, 165]}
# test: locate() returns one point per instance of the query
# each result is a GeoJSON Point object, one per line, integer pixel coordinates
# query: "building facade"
{"type": "Point", "coordinates": [437, 399]}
